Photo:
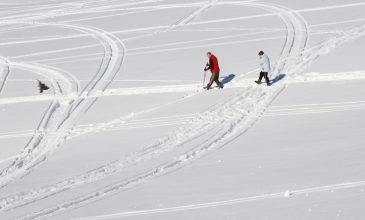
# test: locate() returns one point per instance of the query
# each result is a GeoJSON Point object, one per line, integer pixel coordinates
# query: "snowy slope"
{"type": "Point", "coordinates": [127, 132]}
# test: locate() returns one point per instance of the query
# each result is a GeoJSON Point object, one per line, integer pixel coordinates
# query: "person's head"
{"type": "Point", "coordinates": [209, 54]}
{"type": "Point", "coordinates": [261, 53]}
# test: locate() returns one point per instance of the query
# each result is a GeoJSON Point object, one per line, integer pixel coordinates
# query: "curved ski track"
{"type": "Point", "coordinates": [63, 85]}
{"type": "Point", "coordinates": [53, 128]}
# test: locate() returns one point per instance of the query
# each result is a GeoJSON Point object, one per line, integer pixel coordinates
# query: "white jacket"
{"type": "Point", "coordinates": [265, 64]}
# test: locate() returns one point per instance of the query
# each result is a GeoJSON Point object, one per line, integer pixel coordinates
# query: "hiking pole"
{"type": "Point", "coordinates": [205, 74]}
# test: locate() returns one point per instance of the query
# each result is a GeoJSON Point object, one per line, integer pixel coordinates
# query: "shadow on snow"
{"type": "Point", "coordinates": [227, 79]}
{"type": "Point", "coordinates": [278, 78]}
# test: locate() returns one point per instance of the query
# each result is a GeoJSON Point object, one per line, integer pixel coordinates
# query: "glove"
{"type": "Point", "coordinates": [206, 67]}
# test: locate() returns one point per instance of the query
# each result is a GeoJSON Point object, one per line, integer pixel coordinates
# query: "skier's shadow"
{"type": "Point", "coordinates": [278, 78]}
{"type": "Point", "coordinates": [227, 79]}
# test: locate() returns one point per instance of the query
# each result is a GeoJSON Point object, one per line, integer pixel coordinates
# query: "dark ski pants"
{"type": "Point", "coordinates": [214, 78]}
{"type": "Point", "coordinates": [265, 75]}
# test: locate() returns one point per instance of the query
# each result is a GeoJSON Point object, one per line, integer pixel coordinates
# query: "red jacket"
{"type": "Point", "coordinates": [213, 64]}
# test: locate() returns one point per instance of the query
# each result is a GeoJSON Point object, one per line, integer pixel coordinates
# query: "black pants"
{"type": "Point", "coordinates": [214, 78]}
{"type": "Point", "coordinates": [264, 74]}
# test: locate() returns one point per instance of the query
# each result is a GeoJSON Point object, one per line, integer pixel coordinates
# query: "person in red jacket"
{"type": "Point", "coordinates": [213, 66]}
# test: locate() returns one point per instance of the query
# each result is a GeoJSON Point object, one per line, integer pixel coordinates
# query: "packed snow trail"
{"type": "Point", "coordinates": [48, 138]}
{"type": "Point", "coordinates": [193, 87]}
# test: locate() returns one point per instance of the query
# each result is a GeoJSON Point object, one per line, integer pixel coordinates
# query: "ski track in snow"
{"type": "Point", "coordinates": [162, 27]}
{"type": "Point", "coordinates": [52, 130]}
{"type": "Point", "coordinates": [243, 110]}
{"type": "Point", "coordinates": [63, 84]}
{"type": "Point", "coordinates": [94, 56]}
{"type": "Point", "coordinates": [315, 108]}
{"type": "Point", "coordinates": [55, 10]}
{"type": "Point", "coordinates": [117, 124]}
{"type": "Point", "coordinates": [5, 70]}
{"type": "Point", "coordinates": [235, 201]}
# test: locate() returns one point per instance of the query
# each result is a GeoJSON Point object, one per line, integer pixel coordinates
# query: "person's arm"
{"type": "Point", "coordinates": [262, 62]}
{"type": "Point", "coordinates": [267, 60]}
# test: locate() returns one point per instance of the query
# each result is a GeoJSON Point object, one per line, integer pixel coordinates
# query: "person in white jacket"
{"type": "Point", "coordinates": [265, 68]}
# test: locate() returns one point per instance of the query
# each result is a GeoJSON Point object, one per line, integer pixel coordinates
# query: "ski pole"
{"type": "Point", "coordinates": [205, 73]}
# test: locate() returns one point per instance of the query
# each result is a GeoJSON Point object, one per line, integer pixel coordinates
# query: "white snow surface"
{"type": "Point", "coordinates": [126, 130]}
